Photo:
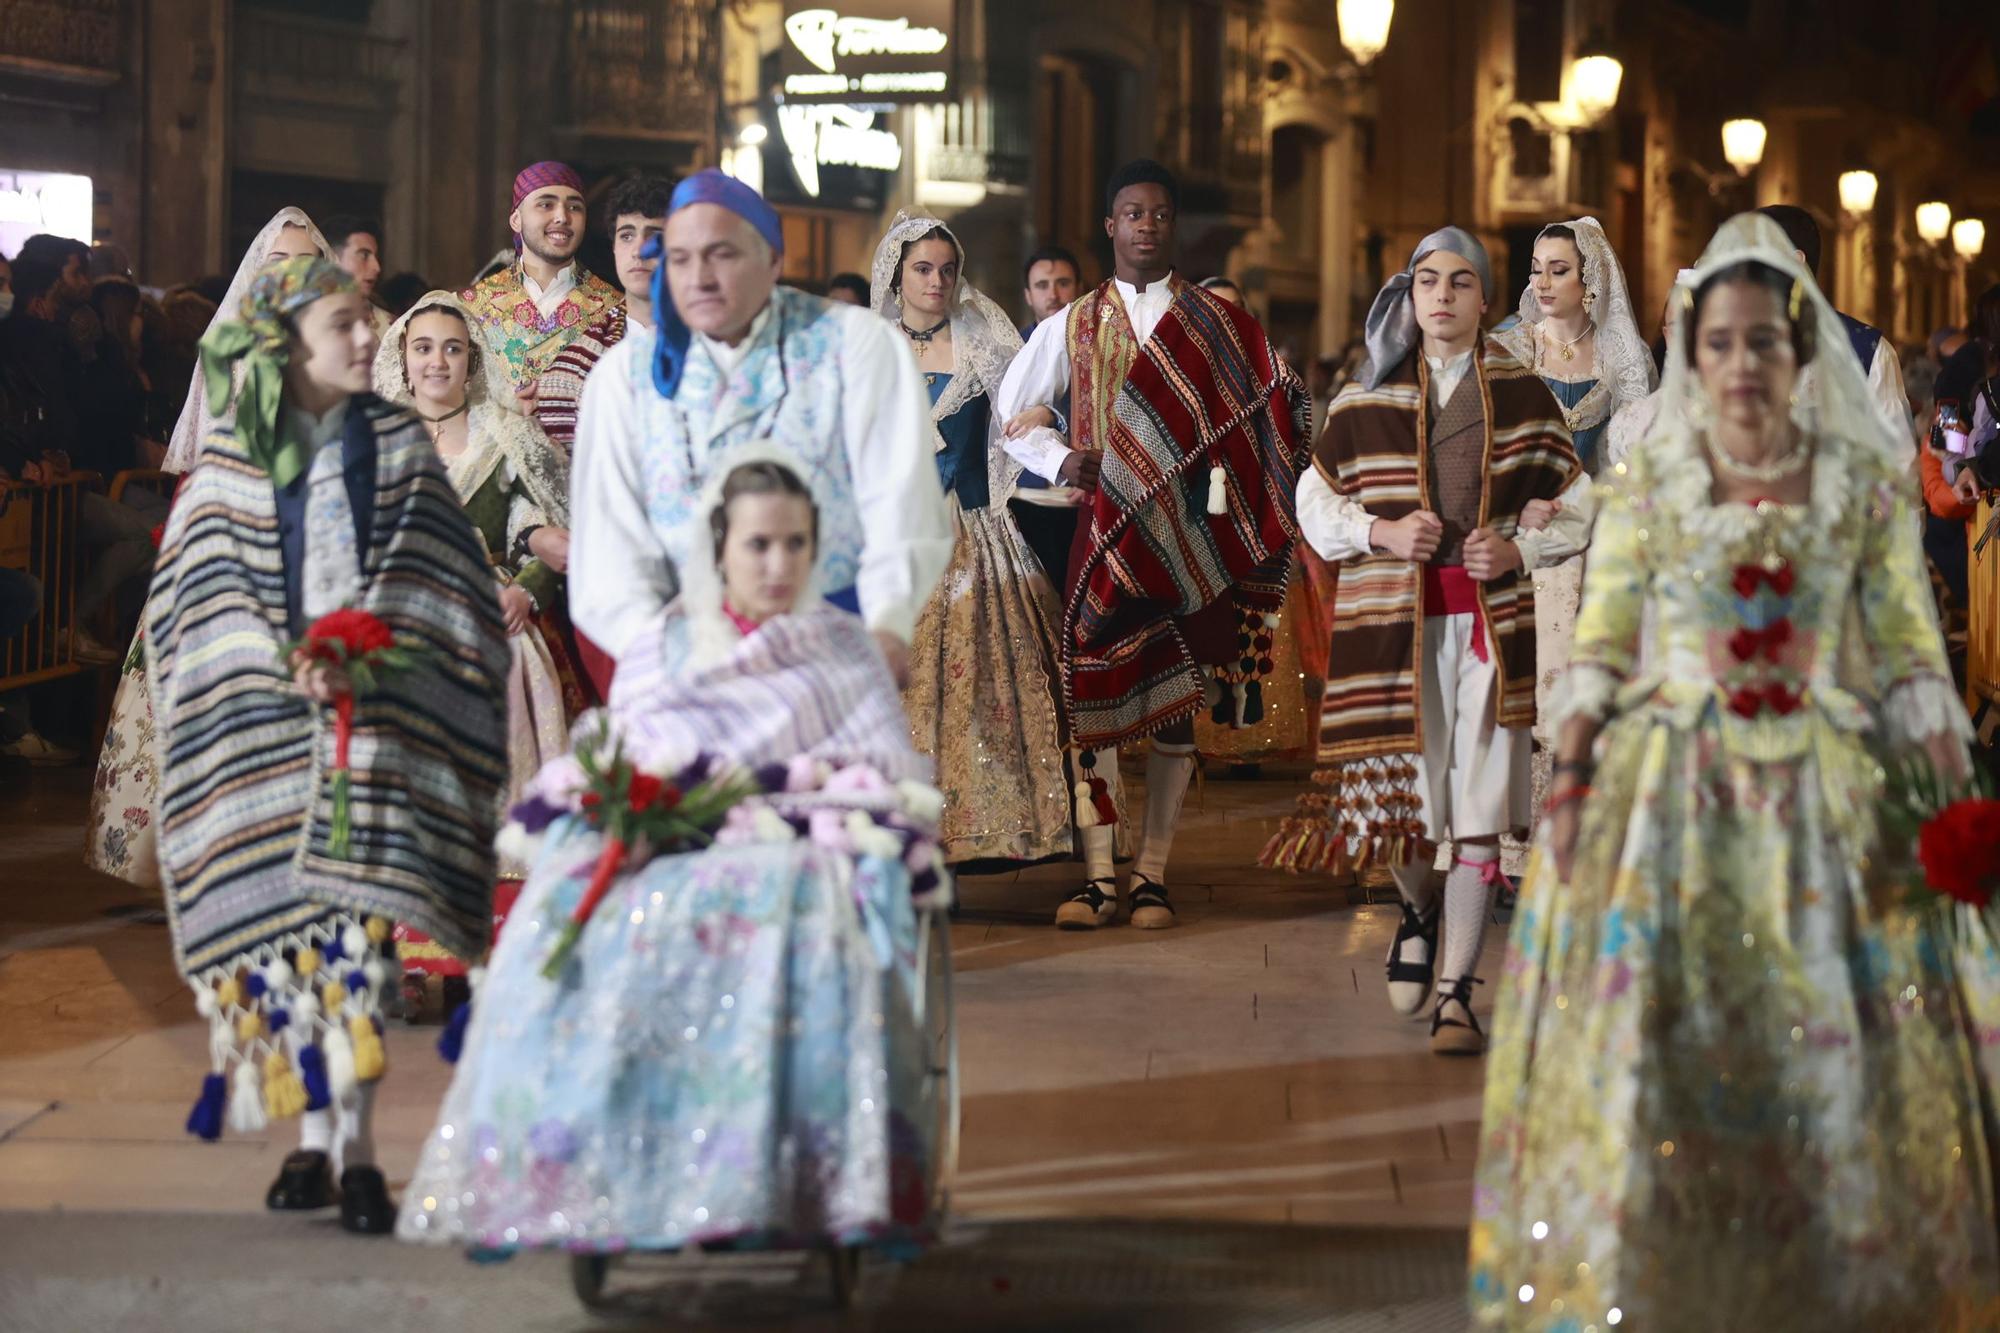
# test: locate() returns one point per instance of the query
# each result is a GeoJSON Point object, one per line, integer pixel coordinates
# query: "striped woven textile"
{"type": "Point", "coordinates": [245, 792]}
{"type": "Point", "coordinates": [811, 683]}
{"type": "Point", "coordinates": [1375, 449]}
{"type": "Point", "coordinates": [560, 388]}
{"type": "Point", "coordinates": [1205, 391]}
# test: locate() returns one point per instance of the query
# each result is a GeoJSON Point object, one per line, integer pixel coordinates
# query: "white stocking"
{"type": "Point", "coordinates": [354, 1124]}
{"type": "Point", "coordinates": [1169, 768]}
{"type": "Point", "coordinates": [1468, 903]}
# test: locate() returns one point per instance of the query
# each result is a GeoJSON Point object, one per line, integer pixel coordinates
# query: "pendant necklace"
{"type": "Point", "coordinates": [1568, 349]}
{"type": "Point", "coordinates": [435, 425]}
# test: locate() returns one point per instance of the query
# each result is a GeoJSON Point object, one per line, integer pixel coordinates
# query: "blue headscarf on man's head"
{"type": "Point", "coordinates": [707, 186]}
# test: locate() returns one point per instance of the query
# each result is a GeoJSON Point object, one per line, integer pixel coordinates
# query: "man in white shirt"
{"type": "Point", "coordinates": [1418, 481]}
{"type": "Point", "coordinates": [734, 357]}
{"type": "Point", "coordinates": [527, 313]}
{"type": "Point", "coordinates": [1086, 356]}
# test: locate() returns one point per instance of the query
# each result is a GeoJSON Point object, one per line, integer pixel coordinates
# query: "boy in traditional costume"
{"type": "Point", "coordinates": [1186, 434]}
{"type": "Point", "coordinates": [313, 793]}
{"type": "Point", "coordinates": [1417, 487]}
{"type": "Point", "coordinates": [528, 312]}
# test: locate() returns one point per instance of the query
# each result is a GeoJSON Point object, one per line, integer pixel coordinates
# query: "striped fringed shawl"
{"type": "Point", "coordinates": [1375, 450]}
{"type": "Point", "coordinates": [245, 790]}
{"type": "Point", "coordinates": [1205, 391]}
{"type": "Point", "coordinates": [810, 683]}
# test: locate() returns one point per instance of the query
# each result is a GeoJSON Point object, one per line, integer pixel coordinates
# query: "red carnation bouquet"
{"type": "Point", "coordinates": [1954, 830]}
{"type": "Point", "coordinates": [642, 814]}
{"type": "Point", "coordinates": [364, 647]}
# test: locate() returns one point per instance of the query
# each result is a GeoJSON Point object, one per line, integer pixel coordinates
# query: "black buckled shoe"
{"type": "Point", "coordinates": [364, 1202]}
{"type": "Point", "coordinates": [1413, 960]}
{"type": "Point", "coordinates": [1150, 908]}
{"type": "Point", "coordinates": [304, 1182]}
{"type": "Point", "coordinates": [1454, 1030]}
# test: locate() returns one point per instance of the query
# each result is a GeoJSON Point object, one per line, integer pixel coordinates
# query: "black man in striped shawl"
{"type": "Point", "coordinates": [1417, 488]}
{"type": "Point", "coordinates": [286, 861]}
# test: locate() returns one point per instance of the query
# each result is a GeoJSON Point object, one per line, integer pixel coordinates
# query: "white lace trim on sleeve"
{"type": "Point", "coordinates": [1921, 707]}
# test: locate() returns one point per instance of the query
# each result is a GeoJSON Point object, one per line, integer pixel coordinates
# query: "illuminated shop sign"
{"type": "Point", "coordinates": [867, 51]}
{"type": "Point", "coordinates": [834, 136]}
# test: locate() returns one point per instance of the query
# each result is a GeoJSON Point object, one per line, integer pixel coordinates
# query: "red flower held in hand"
{"type": "Point", "coordinates": [357, 632]}
{"type": "Point", "coordinates": [648, 791]}
{"type": "Point", "coordinates": [1959, 849]}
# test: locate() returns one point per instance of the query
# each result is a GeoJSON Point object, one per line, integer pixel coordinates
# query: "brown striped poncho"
{"type": "Point", "coordinates": [245, 792]}
{"type": "Point", "coordinates": [1375, 450]}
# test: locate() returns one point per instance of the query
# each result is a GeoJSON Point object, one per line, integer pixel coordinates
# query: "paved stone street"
{"type": "Point", "coordinates": [1220, 1126]}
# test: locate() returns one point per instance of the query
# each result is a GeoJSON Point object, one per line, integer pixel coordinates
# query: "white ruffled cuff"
{"type": "Point", "coordinates": [1921, 707]}
{"type": "Point", "coordinates": [1587, 689]}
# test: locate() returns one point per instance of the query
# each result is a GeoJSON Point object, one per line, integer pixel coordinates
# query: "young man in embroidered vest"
{"type": "Point", "coordinates": [317, 509]}
{"type": "Point", "coordinates": [1418, 482]}
{"type": "Point", "coordinates": [1180, 556]}
{"type": "Point", "coordinates": [638, 214]}
{"type": "Point", "coordinates": [733, 357]}
{"type": "Point", "coordinates": [527, 313]}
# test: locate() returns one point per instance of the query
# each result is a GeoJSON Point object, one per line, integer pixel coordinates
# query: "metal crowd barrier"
{"type": "Point", "coordinates": [38, 535]}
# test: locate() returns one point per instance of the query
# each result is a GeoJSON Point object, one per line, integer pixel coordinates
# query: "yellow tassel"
{"type": "Point", "coordinates": [378, 930]}
{"type": "Point", "coordinates": [284, 1094]}
{"type": "Point", "coordinates": [228, 993]}
{"type": "Point", "coordinates": [369, 1060]}
{"type": "Point", "coordinates": [333, 997]}
{"type": "Point", "coordinates": [307, 963]}
{"type": "Point", "coordinates": [249, 1026]}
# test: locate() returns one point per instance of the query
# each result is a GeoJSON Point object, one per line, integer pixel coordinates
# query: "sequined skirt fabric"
{"type": "Point", "coordinates": [733, 1053]}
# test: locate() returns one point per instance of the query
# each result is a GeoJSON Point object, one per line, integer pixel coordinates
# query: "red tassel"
{"type": "Point", "coordinates": [601, 878]}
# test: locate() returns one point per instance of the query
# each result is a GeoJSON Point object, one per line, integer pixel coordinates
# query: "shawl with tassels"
{"type": "Point", "coordinates": [246, 792]}
{"type": "Point", "coordinates": [1195, 502]}
{"type": "Point", "coordinates": [1375, 449]}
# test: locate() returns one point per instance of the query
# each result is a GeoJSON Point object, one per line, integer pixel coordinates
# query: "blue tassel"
{"type": "Point", "coordinates": [332, 952]}
{"type": "Point", "coordinates": [255, 986]}
{"type": "Point", "coordinates": [451, 1042]}
{"type": "Point", "coordinates": [205, 1120]}
{"type": "Point", "coordinates": [312, 1073]}
{"type": "Point", "coordinates": [357, 981]}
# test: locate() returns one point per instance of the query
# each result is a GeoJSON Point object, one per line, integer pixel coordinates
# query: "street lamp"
{"type": "Point", "coordinates": [1594, 80]}
{"type": "Point", "coordinates": [1934, 220]}
{"type": "Point", "coordinates": [1743, 144]}
{"type": "Point", "coordinates": [1364, 27]}
{"type": "Point", "coordinates": [1968, 237]}
{"type": "Point", "coordinates": [753, 134]}
{"type": "Point", "coordinates": [1857, 191]}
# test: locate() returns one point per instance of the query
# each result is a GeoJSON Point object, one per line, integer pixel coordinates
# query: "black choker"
{"type": "Point", "coordinates": [458, 411]}
{"type": "Point", "coordinates": [922, 336]}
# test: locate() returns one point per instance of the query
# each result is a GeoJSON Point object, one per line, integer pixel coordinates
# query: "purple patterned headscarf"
{"type": "Point", "coordinates": [541, 176]}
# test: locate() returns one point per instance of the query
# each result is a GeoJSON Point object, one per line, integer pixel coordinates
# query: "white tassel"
{"type": "Point", "coordinates": [516, 844]}
{"type": "Point", "coordinates": [1218, 491]}
{"type": "Point", "coordinates": [1270, 620]}
{"type": "Point", "coordinates": [376, 971]}
{"type": "Point", "coordinates": [305, 1008]}
{"type": "Point", "coordinates": [278, 975]}
{"type": "Point", "coordinates": [339, 1062]}
{"type": "Point", "coordinates": [354, 943]}
{"type": "Point", "coordinates": [246, 1102]}
{"type": "Point", "coordinates": [1086, 809]}
{"type": "Point", "coordinates": [205, 1002]}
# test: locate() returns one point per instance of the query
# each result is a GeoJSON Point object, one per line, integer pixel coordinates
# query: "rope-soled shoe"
{"type": "Point", "coordinates": [1150, 908]}
{"type": "Point", "coordinates": [1454, 1031]}
{"type": "Point", "coordinates": [1092, 906]}
{"type": "Point", "coordinates": [1413, 960]}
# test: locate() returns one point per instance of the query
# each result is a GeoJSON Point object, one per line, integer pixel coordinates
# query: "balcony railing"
{"type": "Point", "coordinates": [64, 39]}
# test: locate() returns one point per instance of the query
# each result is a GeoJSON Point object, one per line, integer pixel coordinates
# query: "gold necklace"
{"type": "Point", "coordinates": [1568, 349]}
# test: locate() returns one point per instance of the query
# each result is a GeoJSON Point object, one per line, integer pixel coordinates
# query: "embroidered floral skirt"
{"type": "Point", "coordinates": [1728, 1088]}
{"type": "Point", "coordinates": [982, 702]}
{"type": "Point", "coordinates": [733, 1053]}
{"type": "Point", "coordinates": [121, 838]}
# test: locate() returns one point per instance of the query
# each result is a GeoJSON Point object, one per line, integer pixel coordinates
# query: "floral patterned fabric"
{"type": "Point", "coordinates": [1732, 1081]}
{"type": "Point", "coordinates": [120, 838]}
{"type": "Point", "coordinates": [513, 329]}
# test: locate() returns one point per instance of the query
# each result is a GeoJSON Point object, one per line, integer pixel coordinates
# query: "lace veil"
{"type": "Point", "coordinates": [983, 339]}
{"type": "Point", "coordinates": [1623, 363]}
{"type": "Point", "coordinates": [196, 420]}
{"type": "Point", "coordinates": [1841, 404]}
{"type": "Point", "coordinates": [496, 434]}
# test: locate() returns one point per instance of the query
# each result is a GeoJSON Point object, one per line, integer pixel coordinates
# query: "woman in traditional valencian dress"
{"type": "Point", "coordinates": [1578, 333]}
{"type": "Point", "coordinates": [730, 1053]}
{"type": "Point", "coordinates": [981, 699]}
{"type": "Point", "coordinates": [1731, 1083]}
{"type": "Point", "coordinates": [515, 488]}
{"type": "Point", "coordinates": [121, 838]}
{"type": "Point", "coordinates": [311, 798]}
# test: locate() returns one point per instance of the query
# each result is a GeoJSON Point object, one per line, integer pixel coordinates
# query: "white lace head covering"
{"type": "Point", "coordinates": [1623, 363]}
{"type": "Point", "coordinates": [196, 420]}
{"type": "Point", "coordinates": [1841, 404]}
{"type": "Point", "coordinates": [713, 634]}
{"type": "Point", "coordinates": [494, 434]}
{"type": "Point", "coordinates": [983, 339]}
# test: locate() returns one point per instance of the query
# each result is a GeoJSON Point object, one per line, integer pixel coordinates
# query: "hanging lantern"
{"type": "Point", "coordinates": [1857, 191]}
{"type": "Point", "coordinates": [1934, 220]}
{"type": "Point", "coordinates": [1594, 77]}
{"type": "Point", "coordinates": [1968, 237]}
{"type": "Point", "coordinates": [1364, 27]}
{"type": "Point", "coordinates": [1743, 144]}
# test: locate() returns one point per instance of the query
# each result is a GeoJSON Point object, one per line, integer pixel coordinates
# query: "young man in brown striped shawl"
{"type": "Point", "coordinates": [1417, 487]}
{"type": "Point", "coordinates": [284, 870]}
{"type": "Point", "coordinates": [1185, 435]}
